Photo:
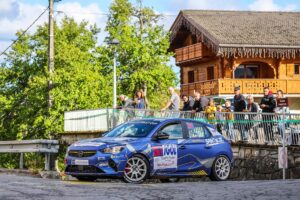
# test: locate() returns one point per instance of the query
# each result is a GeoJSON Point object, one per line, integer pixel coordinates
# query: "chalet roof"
{"type": "Point", "coordinates": [246, 33]}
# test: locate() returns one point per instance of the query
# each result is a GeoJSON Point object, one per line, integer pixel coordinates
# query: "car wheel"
{"type": "Point", "coordinates": [169, 180]}
{"type": "Point", "coordinates": [86, 178]}
{"type": "Point", "coordinates": [221, 169]}
{"type": "Point", "coordinates": [136, 169]}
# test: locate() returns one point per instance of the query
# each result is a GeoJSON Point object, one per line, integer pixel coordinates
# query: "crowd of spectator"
{"type": "Point", "coordinates": [215, 112]}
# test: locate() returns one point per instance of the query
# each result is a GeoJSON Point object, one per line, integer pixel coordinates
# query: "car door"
{"type": "Point", "coordinates": [165, 151]}
{"type": "Point", "coordinates": [196, 154]}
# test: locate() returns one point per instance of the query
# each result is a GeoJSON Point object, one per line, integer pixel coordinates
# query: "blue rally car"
{"type": "Point", "coordinates": [167, 149]}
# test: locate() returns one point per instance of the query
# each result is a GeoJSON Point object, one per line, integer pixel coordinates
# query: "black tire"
{"type": "Point", "coordinates": [169, 180]}
{"type": "Point", "coordinates": [86, 178]}
{"type": "Point", "coordinates": [133, 167]}
{"type": "Point", "coordinates": [221, 169]}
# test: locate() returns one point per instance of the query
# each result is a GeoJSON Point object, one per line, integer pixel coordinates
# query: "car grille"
{"type": "Point", "coordinates": [83, 169]}
{"type": "Point", "coordinates": [81, 154]}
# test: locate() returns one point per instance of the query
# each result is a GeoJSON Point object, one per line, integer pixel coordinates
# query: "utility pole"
{"type": "Point", "coordinates": [140, 16]}
{"type": "Point", "coordinates": [50, 53]}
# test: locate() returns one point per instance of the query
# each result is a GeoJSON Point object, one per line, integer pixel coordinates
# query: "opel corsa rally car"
{"type": "Point", "coordinates": [167, 149]}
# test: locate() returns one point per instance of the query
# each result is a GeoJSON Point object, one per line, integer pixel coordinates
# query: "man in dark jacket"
{"type": "Point", "coordinates": [200, 102]}
{"type": "Point", "coordinates": [188, 103]}
{"type": "Point", "coordinates": [239, 100]}
{"type": "Point", "coordinates": [268, 105]}
{"type": "Point", "coordinates": [239, 106]}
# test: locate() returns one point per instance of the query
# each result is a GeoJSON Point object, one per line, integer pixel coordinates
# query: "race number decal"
{"type": "Point", "coordinates": [165, 156]}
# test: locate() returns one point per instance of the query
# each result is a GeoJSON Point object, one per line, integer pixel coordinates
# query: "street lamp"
{"type": "Point", "coordinates": [114, 42]}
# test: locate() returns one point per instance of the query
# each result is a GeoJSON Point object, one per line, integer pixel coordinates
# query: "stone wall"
{"type": "Point", "coordinates": [261, 162]}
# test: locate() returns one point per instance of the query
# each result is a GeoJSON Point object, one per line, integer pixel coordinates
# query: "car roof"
{"type": "Point", "coordinates": [160, 120]}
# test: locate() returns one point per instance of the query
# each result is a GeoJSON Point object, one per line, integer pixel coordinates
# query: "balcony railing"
{"type": "Point", "coordinates": [248, 86]}
{"type": "Point", "coordinates": [191, 52]}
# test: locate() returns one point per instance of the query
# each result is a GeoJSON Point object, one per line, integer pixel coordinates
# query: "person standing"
{"type": "Point", "coordinates": [200, 103]}
{"type": "Point", "coordinates": [229, 119]}
{"type": "Point", "coordinates": [219, 118]}
{"type": "Point", "coordinates": [210, 111]}
{"type": "Point", "coordinates": [239, 106]}
{"type": "Point", "coordinates": [281, 117]}
{"type": "Point", "coordinates": [188, 103]}
{"type": "Point", "coordinates": [139, 100]}
{"type": "Point", "coordinates": [127, 104]}
{"type": "Point", "coordinates": [174, 101]}
{"type": "Point", "coordinates": [268, 105]}
{"type": "Point", "coordinates": [252, 109]}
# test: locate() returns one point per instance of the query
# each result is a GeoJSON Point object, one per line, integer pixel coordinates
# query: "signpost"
{"type": "Point", "coordinates": [282, 151]}
{"type": "Point", "coordinates": [283, 102]}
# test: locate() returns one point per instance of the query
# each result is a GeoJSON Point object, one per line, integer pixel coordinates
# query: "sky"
{"type": "Point", "coordinates": [19, 14]}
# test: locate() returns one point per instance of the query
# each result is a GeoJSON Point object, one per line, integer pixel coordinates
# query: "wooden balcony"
{"type": "Point", "coordinates": [248, 86]}
{"type": "Point", "coordinates": [192, 52]}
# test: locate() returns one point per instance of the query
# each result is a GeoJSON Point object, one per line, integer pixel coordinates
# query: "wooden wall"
{"type": "Point", "coordinates": [286, 69]}
{"type": "Point", "coordinates": [200, 71]}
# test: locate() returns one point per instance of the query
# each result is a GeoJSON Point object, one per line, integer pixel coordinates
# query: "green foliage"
{"type": "Point", "coordinates": [78, 81]}
{"type": "Point", "coordinates": [143, 51]}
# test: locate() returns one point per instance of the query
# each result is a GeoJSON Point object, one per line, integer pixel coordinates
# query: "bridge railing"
{"type": "Point", "coordinates": [253, 128]}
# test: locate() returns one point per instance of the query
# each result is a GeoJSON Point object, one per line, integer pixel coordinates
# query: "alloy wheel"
{"type": "Point", "coordinates": [135, 170]}
{"type": "Point", "coordinates": [222, 168]}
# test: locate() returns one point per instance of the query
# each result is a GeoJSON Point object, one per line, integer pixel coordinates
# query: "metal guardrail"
{"type": "Point", "coordinates": [253, 128]}
{"type": "Point", "coordinates": [26, 146]}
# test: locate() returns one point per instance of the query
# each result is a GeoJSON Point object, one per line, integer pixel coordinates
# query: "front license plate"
{"type": "Point", "coordinates": [81, 162]}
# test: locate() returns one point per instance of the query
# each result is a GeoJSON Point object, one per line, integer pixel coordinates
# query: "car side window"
{"type": "Point", "coordinates": [173, 130]}
{"type": "Point", "coordinates": [196, 130]}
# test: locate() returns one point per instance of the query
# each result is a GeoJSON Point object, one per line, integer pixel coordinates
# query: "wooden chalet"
{"type": "Point", "coordinates": [217, 50]}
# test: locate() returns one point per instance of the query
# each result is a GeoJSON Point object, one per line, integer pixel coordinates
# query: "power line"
{"type": "Point", "coordinates": [104, 14]}
{"type": "Point", "coordinates": [23, 33]}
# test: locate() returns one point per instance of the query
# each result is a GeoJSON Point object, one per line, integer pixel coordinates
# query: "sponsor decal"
{"type": "Point", "coordinates": [165, 156]}
{"type": "Point", "coordinates": [81, 162]}
{"type": "Point", "coordinates": [130, 148]}
{"type": "Point", "coordinates": [101, 158]}
{"type": "Point", "coordinates": [117, 156]}
{"type": "Point", "coordinates": [103, 164]}
{"type": "Point", "coordinates": [213, 131]}
{"type": "Point", "coordinates": [214, 141]}
{"type": "Point", "coordinates": [84, 144]}
{"type": "Point", "coordinates": [198, 173]}
{"type": "Point", "coordinates": [157, 151]}
{"type": "Point", "coordinates": [148, 149]}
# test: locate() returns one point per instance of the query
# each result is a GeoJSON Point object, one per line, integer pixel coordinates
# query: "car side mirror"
{"type": "Point", "coordinates": [161, 135]}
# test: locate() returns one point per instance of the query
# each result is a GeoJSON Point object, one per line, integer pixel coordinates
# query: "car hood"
{"type": "Point", "coordinates": [100, 143]}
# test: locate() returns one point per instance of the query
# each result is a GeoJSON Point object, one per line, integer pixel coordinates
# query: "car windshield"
{"type": "Point", "coordinates": [132, 129]}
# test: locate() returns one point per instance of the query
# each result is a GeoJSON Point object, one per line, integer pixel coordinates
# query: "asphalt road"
{"type": "Point", "coordinates": [14, 187]}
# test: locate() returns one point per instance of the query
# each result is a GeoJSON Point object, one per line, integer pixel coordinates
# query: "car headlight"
{"type": "Point", "coordinates": [113, 150]}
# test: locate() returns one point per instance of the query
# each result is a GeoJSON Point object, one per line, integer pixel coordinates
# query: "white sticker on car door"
{"type": "Point", "coordinates": [165, 156]}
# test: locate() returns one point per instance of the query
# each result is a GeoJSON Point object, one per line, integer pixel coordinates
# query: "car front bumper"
{"type": "Point", "coordinates": [100, 165]}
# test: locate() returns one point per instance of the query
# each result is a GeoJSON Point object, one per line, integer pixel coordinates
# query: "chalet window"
{"type": "Point", "coordinates": [191, 77]}
{"type": "Point", "coordinates": [210, 73]}
{"type": "Point", "coordinates": [247, 71]}
{"type": "Point", "coordinates": [296, 69]}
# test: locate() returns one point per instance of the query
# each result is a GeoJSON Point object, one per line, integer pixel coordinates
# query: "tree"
{"type": "Point", "coordinates": [78, 81]}
{"type": "Point", "coordinates": [143, 52]}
